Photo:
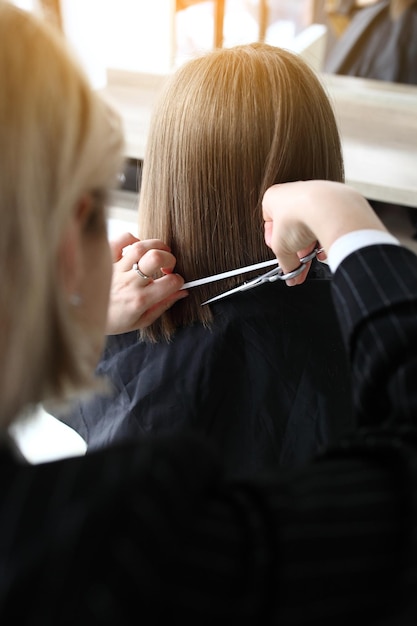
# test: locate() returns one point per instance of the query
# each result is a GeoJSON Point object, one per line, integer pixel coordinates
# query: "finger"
{"type": "Point", "coordinates": [133, 299]}
{"type": "Point", "coordinates": [135, 252]}
{"type": "Point", "coordinates": [298, 280]}
{"type": "Point", "coordinates": [322, 256]}
{"type": "Point", "coordinates": [138, 295]}
{"type": "Point", "coordinates": [306, 252]}
{"type": "Point", "coordinates": [160, 296]}
{"type": "Point", "coordinates": [158, 309]}
{"type": "Point", "coordinates": [154, 261]}
{"type": "Point", "coordinates": [270, 202]}
{"type": "Point", "coordinates": [288, 260]}
{"type": "Point", "coordinates": [119, 243]}
{"type": "Point", "coordinates": [268, 227]}
{"type": "Point", "coordinates": [162, 288]}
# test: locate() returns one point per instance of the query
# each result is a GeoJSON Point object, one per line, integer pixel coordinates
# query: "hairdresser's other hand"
{"type": "Point", "coordinates": [136, 302]}
{"type": "Point", "coordinates": [301, 214]}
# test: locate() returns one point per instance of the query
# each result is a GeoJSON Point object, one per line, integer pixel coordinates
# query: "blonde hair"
{"type": "Point", "coordinates": [229, 125]}
{"type": "Point", "coordinates": [58, 142]}
{"type": "Point", "coordinates": [398, 7]}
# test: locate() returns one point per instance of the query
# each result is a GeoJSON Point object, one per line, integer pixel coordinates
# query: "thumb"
{"type": "Point", "coordinates": [288, 258]}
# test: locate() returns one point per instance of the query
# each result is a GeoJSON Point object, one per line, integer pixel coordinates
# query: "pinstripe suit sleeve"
{"type": "Point", "coordinates": [375, 294]}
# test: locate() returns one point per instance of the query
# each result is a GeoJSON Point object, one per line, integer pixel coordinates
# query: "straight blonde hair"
{"type": "Point", "coordinates": [58, 141]}
{"type": "Point", "coordinates": [398, 7]}
{"type": "Point", "coordinates": [229, 125]}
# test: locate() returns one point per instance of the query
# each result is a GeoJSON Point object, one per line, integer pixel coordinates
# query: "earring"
{"type": "Point", "coordinates": [75, 299]}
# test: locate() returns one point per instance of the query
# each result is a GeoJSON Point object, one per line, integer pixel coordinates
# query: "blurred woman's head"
{"type": "Point", "coordinates": [229, 125]}
{"type": "Point", "coordinates": [60, 153]}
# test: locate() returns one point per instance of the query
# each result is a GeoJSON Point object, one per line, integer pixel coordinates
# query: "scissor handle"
{"type": "Point", "coordinates": [274, 274]}
{"type": "Point", "coordinates": [279, 274]}
{"type": "Point", "coordinates": [310, 257]}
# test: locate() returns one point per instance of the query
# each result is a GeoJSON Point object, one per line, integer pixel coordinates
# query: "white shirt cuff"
{"type": "Point", "coordinates": [350, 242]}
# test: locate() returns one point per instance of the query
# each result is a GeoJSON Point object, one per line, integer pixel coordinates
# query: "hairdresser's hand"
{"type": "Point", "coordinates": [298, 215]}
{"type": "Point", "coordinates": [136, 302]}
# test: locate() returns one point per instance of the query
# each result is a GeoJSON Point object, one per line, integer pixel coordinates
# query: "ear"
{"type": "Point", "coordinates": [70, 254]}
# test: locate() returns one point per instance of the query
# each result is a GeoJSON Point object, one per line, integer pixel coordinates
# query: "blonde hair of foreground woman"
{"type": "Point", "coordinates": [58, 143]}
{"type": "Point", "coordinates": [228, 126]}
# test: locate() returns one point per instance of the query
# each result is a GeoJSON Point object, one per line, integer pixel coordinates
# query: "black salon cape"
{"type": "Point", "coordinates": [268, 383]}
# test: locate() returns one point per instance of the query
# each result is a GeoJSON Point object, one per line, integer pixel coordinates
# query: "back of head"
{"type": "Point", "coordinates": [229, 125]}
{"type": "Point", "coordinates": [58, 142]}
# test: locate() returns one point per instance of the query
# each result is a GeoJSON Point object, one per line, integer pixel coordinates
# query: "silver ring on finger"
{"type": "Point", "coordinates": [135, 267]}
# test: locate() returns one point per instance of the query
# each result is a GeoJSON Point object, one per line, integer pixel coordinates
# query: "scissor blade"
{"type": "Point", "coordinates": [235, 272]}
{"type": "Point", "coordinates": [271, 276]}
{"type": "Point", "coordinates": [223, 295]}
{"type": "Point", "coordinates": [259, 280]}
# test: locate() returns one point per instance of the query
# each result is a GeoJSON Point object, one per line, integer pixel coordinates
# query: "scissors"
{"type": "Point", "coordinates": [272, 275]}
